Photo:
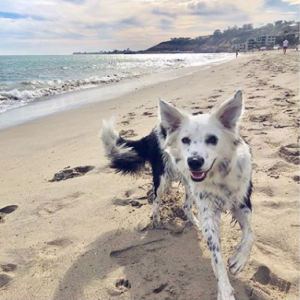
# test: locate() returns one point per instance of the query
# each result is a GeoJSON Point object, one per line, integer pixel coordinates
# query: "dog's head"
{"type": "Point", "coordinates": [199, 142]}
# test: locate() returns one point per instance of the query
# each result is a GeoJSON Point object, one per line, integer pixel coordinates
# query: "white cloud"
{"type": "Point", "coordinates": [138, 24]}
{"type": "Point", "coordinates": [292, 2]}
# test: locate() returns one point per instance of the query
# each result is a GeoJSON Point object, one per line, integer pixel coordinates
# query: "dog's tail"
{"type": "Point", "coordinates": [125, 156]}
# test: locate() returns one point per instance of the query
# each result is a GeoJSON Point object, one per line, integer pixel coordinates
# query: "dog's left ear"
{"type": "Point", "coordinates": [170, 116]}
{"type": "Point", "coordinates": [230, 110]}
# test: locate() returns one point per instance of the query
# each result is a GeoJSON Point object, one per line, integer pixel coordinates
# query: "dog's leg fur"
{"type": "Point", "coordinates": [159, 189]}
{"type": "Point", "coordinates": [187, 207]}
{"type": "Point", "coordinates": [241, 254]}
{"type": "Point", "coordinates": [210, 224]}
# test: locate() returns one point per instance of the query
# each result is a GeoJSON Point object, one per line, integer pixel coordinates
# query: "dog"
{"type": "Point", "coordinates": [206, 153]}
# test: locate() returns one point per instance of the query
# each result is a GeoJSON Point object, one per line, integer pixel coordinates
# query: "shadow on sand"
{"type": "Point", "coordinates": [155, 264]}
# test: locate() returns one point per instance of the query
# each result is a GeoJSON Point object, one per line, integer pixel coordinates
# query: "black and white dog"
{"type": "Point", "coordinates": [206, 153]}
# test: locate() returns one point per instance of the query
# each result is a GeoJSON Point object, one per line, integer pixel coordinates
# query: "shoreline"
{"type": "Point", "coordinates": [78, 238]}
{"type": "Point", "coordinates": [45, 106]}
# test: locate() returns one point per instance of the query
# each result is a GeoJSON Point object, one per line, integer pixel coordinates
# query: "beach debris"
{"type": "Point", "coordinates": [71, 173]}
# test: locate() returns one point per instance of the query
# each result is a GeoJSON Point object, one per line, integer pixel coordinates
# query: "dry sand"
{"type": "Point", "coordinates": [85, 237]}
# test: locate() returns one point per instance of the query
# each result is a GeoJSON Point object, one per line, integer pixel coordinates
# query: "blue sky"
{"type": "Point", "coordinates": [65, 26]}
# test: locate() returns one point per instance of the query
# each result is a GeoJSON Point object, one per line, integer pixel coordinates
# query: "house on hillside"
{"type": "Point", "coordinates": [267, 41]}
{"type": "Point", "coordinates": [239, 47]}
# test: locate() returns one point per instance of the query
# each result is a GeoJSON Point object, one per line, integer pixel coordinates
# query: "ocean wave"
{"type": "Point", "coordinates": [58, 75]}
{"type": "Point", "coordinates": [19, 97]}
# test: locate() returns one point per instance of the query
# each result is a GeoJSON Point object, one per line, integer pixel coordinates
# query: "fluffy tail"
{"type": "Point", "coordinates": [122, 153]}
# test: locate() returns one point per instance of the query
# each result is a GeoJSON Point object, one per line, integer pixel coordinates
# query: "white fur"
{"type": "Point", "coordinates": [227, 167]}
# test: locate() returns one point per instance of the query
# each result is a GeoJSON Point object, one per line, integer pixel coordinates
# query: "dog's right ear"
{"type": "Point", "coordinates": [170, 116]}
{"type": "Point", "coordinates": [229, 112]}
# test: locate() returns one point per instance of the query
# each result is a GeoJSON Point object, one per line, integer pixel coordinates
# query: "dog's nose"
{"type": "Point", "coordinates": [195, 163]}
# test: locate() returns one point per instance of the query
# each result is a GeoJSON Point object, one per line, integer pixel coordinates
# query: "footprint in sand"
{"type": "Point", "coordinates": [124, 202]}
{"type": "Point", "coordinates": [264, 276]}
{"type": "Point", "coordinates": [128, 133]}
{"type": "Point", "coordinates": [68, 173]}
{"type": "Point", "coordinates": [7, 210]}
{"type": "Point", "coordinates": [256, 96]}
{"type": "Point", "coordinates": [147, 113]}
{"type": "Point", "coordinates": [8, 268]}
{"type": "Point", "coordinates": [53, 248]}
{"type": "Point", "coordinates": [290, 153]}
{"type": "Point", "coordinates": [135, 253]}
{"type": "Point", "coordinates": [123, 284]}
{"type": "Point", "coordinates": [56, 205]}
{"type": "Point", "coordinates": [261, 118]}
{"type": "Point", "coordinates": [125, 122]}
{"type": "Point", "coordinates": [4, 278]}
{"type": "Point", "coordinates": [119, 287]}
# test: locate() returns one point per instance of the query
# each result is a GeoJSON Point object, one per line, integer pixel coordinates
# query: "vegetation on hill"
{"type": "Point", "coordinates": [226, 39]}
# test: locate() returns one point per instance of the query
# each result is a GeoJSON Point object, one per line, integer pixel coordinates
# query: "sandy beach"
{"type": "Point", "coordinates": [85, 237]}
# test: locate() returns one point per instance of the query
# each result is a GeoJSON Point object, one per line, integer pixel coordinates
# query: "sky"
{"type": "Point", "coordinates": [66, 26]}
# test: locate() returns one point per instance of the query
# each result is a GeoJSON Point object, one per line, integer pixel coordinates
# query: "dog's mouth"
{"type": "Point", "coordinates": [198, 176]}
{"type": "Point", "coordinates": [201, 175]}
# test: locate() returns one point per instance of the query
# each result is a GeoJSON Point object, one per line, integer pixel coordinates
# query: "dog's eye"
{"type": "Point", "coordinates": [186, 140]}
{"type": "Point", "coordinates": [212, 139]}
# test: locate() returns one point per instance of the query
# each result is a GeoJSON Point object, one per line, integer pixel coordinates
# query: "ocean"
{"type": "Point", "coordinates": [25, 79]}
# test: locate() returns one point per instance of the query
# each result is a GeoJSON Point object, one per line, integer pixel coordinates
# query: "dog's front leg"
{"type": "Point", "coordinates": [188, 207]}
{"type": "Point", "coordinates": [210, 224]}
{"type": "Point", "coordinates": [241, 254]}
{"type": "Point", "coordinates": [160, 186]}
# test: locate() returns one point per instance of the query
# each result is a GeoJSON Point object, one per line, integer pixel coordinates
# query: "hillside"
{"type": "Point", "coordinates": [224, 40]}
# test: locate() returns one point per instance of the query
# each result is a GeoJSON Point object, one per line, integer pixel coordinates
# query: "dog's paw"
{"type": "Point", "coordinates": [226, 292]}
{"type": "Point", "coordinates": [155, 224]}
{"type": "Point", "coordinates": [237, 261]}
{"type": "Point", "coordinates": [240, 256]}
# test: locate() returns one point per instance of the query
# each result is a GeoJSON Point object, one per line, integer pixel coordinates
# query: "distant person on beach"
{"type": "Point", "coordinates": [285, 45]}
{"type": "Point", "coordinates": [236, 53]}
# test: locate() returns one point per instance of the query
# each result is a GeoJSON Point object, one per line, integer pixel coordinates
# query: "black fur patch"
{"type": "Point", "coordinates": [224, 167]}
{"type": "Point", "coordinates": [237, 142]}
{"type": "Point", "coordinates": [133, 162]}
{"type": "Point", "coordinates": [163, 132]}
{"type": "Point", "coordinates": [247, 198]}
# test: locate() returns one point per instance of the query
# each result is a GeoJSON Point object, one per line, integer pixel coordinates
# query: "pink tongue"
{"type": "Point", "coordinates": [197, 174]}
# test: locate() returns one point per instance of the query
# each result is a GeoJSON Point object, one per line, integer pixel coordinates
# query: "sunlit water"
{"type": "Point", "coordinates": [24, 79]}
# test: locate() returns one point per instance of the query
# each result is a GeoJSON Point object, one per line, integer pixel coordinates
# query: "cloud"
{"type": "Point", "coordinates": [157, 11]}
{"type": "Point", "coordinates": [131, 22]}
{"type": "Point", "coordinates": [292, 2]}
{"type": "Point", "coordinates": [137, 24]}
{"type": "Point", "coordinates": [75, 1]}
{"type": "Point", "coordinates": [205, 9]}
{"type": "Point", "coordinates": [165, 24]}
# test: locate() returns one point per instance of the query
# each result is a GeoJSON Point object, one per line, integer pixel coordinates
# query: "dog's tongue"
{"type": "Point", "coordinates": [198, 175]}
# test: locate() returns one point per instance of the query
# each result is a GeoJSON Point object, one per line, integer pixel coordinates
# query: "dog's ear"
{"type": "Point", "coordinates": [230, 110]}
{"type": "Point", "coordinates": [170, 116]}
